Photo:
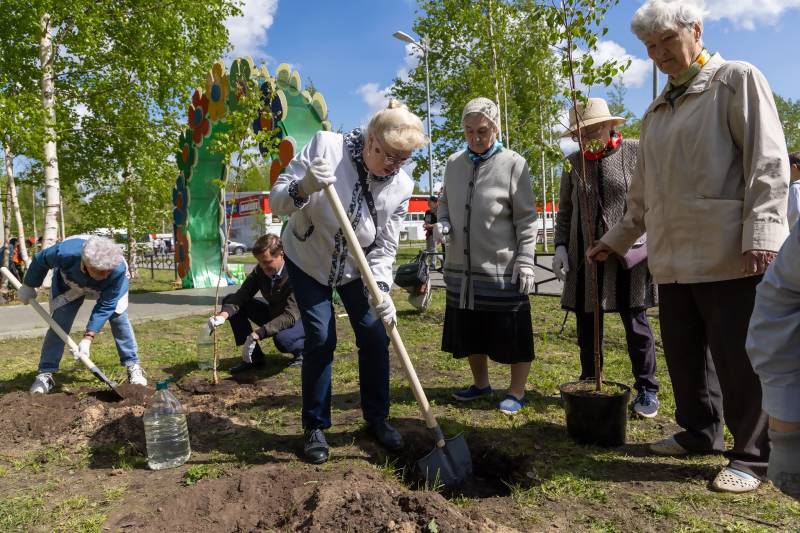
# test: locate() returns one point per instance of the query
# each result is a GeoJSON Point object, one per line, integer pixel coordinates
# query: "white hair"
{"type": "Point", "coordinates": [101, 253]}
{"type": "Point", "coordinates": [397, 127]}
{"type": "Point", "coordinates": [659, 15]}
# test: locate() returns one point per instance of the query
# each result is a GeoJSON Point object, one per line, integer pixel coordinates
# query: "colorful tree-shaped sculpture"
{"type": "Point", "coordinates": [295, 116]}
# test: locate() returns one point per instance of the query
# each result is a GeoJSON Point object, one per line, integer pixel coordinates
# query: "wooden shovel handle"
{"type": "Point", "coordinates": [377, 295]}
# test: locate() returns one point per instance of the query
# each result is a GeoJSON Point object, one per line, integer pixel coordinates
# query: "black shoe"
{"type": "Point", "coordinates": [316, 447]}
{"type": "Point", "coordinates": [386, 435]}
{"type": "Point", "coordinates": [297, 361]}
{"type": "Point", "coordinates": [245, 367]}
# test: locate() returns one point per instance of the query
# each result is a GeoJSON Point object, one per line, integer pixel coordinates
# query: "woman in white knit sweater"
{"type": "Point", "coordinates": [364, 169]}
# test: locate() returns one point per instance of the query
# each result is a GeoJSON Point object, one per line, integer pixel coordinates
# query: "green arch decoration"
{"type": "Point", "coordinates": [295, 116]}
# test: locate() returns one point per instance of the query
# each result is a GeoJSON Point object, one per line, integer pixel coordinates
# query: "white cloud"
{"type": "Point", "coordinates": [375, 97]}
{"type": "Point", "coordinates": [248, 33]}
{"type": "Point", "coordinates": [639, 69]}
{"type": "Point", "coordinates": [747, 14]}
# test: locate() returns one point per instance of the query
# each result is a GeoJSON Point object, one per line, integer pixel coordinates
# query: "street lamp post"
{"type": "Point", "coordinates": [424, 47]}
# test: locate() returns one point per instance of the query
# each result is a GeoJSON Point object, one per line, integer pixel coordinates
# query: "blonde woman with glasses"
{"type": "Point", "coordinates": [365, 170]}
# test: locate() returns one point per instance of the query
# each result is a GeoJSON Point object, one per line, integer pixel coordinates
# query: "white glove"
{"type": "Point", "coordinates": [561, 263]}
{"type": "Point", "coordinates": [215, 321]}
{"type": "Point", "coordinates": [440, 232]}
{"type": "Point", "coordinates": [318, 175]}
{"type": "Point", "coordinates": [248, 348]}
{"type": "Point", "coordinates": [26, 294]}
{"type": "Point", "coordinates": [84, 346]}
{"type": "Point", "coordinates": [526, 277]}
{"type": "Point", "coordinates": [385, 309]}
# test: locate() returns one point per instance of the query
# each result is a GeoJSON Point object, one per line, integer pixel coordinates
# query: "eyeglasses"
{"type": "Point", "coordinates": [588, 132]}
{"type": "Point", "coordinates": [391, 160]}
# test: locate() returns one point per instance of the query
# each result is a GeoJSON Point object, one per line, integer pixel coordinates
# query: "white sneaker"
{"type": "Point", "coordinates": [136, 375]}
{"type": "Point", "coordinates": [43, 383]}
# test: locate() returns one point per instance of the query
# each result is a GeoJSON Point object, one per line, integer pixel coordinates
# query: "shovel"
{"type": "Point", "coordinates": [64, 337]}
{"type": "Point", "coordinates": [449, 463]}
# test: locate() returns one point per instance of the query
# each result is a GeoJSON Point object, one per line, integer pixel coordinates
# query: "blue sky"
{"type": "Point", "coordinates": [347, 48]}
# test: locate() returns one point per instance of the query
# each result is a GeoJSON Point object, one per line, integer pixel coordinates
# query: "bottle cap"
{"type": "Point", "coordinates": [162, 385]}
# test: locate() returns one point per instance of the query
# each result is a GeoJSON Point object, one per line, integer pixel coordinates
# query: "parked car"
{"type": "Point", "coordinates": [237, 248]}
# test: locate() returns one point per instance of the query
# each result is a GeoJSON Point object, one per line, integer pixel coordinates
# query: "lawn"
{"type": "Point", "coordinates": [528, 474]}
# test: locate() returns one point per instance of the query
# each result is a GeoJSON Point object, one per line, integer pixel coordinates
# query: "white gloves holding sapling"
{"type": "Point", "coordinates": [318, 175]}
{"type": "Point", "coordinates": [524, 274]}
{"type": "Point", "coordinates": [440, 232]}
{"type": "Point", "coordinates": [26, 294]}
{"type": "Point", "coordinates": [215, 321]}
{"type": "Point", "coordinates": [561, 263]}
{"type": "Point", "coordinates": [384, 309]}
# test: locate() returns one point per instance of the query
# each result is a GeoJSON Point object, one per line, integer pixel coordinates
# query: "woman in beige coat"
{"type": "Point", "coordinates": [710, 191]}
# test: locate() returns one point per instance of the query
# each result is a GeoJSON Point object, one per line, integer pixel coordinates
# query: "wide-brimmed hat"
{"type": "Point", "coordinates": [593, 112]}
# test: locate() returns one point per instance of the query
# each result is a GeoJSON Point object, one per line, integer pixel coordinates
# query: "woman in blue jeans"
{"type": "Point", "coordinates": [83, 267]}
{"type": "Point", "coordinates": [364, 169]}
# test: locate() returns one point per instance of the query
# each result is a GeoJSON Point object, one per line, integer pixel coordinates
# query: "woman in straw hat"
{"type": "Point", "coordinates": [488, 210]}
{"type": "Point", "coordinates": [710, 190]}
{"type": "Point", "coordinates": [365, 170]}
{"type": "Point", "coordinates": [610, 163]}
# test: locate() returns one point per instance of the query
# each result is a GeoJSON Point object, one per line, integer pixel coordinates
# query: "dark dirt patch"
{"type": "Point", "coordinates": [131, 395]}
{"type": "Point", "coordinates": [268, 498]}
{"type": "Point", "coordinates": [25, 417]}
{"type": "Point", "coordinates": [587, 388]}
{"type": "Point", "coordinates": [197, 385]}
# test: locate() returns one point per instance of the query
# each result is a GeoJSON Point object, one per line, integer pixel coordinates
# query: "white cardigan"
{"type": "Point", "coordinates": [312, 239]}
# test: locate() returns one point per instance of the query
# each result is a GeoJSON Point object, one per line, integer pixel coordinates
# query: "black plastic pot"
{"type": "Point", "coordinates": [592, 418]}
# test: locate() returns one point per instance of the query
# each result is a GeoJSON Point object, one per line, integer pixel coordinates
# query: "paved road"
{"type": "Point", "coordinates": [20, 321]}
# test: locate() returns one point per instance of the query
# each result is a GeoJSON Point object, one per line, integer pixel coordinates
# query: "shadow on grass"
{"type": "Point", "coordinates": [536, 455]}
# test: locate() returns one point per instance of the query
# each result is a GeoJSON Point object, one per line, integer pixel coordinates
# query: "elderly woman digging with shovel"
{"type": "Point", "coordinates": [363, 169]}
{"type": "Point", "coordinates": [83, 267]}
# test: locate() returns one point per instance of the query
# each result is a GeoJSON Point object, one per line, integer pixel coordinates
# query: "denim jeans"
{"type": "Point", "coordinates": [316, 310]}
{"type": "Point", "coordinates": [53, 346]}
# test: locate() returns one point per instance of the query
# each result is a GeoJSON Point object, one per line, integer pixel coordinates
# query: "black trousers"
{"type": "Point", "coordinates": [641, 347]}
{"type": "Point", "coordinates": [704, 328]}
{"type": "Point", "coordinates": [290, 340]}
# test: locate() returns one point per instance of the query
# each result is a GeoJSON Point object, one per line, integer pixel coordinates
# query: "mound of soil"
{"type": "Point", "coordinates": [30, 420]}
{"type": "Point", "coordinates": [25, 417]}
{"type": "Point", "coordinates": [298, 498]}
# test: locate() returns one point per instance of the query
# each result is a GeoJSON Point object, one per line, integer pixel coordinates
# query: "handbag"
{"type": "Point", "coordinates": [636, 254]}
{"type": "Point", "coordinates": [412, 275]}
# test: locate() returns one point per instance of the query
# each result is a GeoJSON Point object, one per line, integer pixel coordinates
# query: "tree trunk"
{"type": "Point", "coordinates": [50, 149]}
{"type": "Point", "coordinates": [6, 238]}
{"type": "Point", "coordinates": [494, 70]}
{"type": "Point", "coordinates": [5, 225]}
{"type": "Point", "coordinates": [12, 192]}
{"type": "Point", "coordinates": [33, 213]}
{"type": "Point", "coordinates": [131, 227]}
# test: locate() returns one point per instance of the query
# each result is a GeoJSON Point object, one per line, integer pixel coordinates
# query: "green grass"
{"type": "Point", "coordinates": [543, 476]}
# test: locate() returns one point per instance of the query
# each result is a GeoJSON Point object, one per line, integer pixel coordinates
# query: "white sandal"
{"type": "Point", "coordinates": [732, 480]}
{"type": "Point", "coordinates": [668, 446]}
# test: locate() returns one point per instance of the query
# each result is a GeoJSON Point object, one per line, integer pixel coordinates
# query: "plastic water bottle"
{"type": "Point", "coordinates": [205, 349]}
{"type": "Point", "coordinates": [165, 430]}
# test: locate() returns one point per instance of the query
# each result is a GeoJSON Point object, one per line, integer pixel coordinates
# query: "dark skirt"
{"type": "Point", "coordinates": [505, 336]}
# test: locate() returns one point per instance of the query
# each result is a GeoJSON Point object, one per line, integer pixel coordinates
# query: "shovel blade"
{"type": "Point", "coordinates": [111, 384]}
{"type": "Point", "coordinates": [449, 465]}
